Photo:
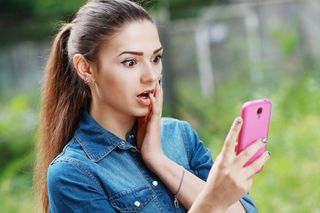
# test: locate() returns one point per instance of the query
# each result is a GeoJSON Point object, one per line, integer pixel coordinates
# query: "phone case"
{"type": "Point", "coordinates": [256, 120]}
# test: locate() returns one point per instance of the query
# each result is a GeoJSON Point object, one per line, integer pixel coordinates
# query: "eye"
{"type": "Point", "coordinates": [157, 59]}
{"type": "Point", "coordinates": [129, 62]}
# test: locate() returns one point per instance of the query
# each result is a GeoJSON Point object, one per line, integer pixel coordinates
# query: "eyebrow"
{"type": "Point", "coordinates": [140, 53]}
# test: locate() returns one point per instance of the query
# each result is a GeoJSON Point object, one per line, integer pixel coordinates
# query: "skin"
{"type": "Point", "coordinates": [228, 179]}
{"type": "Point", "coordinates": [123, 74]}
{"type": "Point", "coordinates": [129, 64]}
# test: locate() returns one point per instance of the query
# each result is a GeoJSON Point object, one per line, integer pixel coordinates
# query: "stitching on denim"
{"type": "Point", "coordinates": [61, 153]}
{"type": "Point", "coordinates": [128, 192]}
{"type": "Point", "coordinates": [81, 168]}
{"type": "Point", "coordinates": [184, 125]}
{"type": "Point", "coordinates": [92, 156]}
{"type": "Point", "coordinates": [154, 193]}
{"type": "Point", "coordinates": [86, 150]}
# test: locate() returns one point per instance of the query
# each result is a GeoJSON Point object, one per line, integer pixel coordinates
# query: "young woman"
{"type": "Point", "coordinates": [103, 145]}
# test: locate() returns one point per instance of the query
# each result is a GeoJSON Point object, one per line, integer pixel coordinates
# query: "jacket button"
{"type": "Point", "coordinates": [155, 183]}
{"type": "Point", "coordinates": [137, 203]}
{"type": "Point", "coordinates": [123, 143]}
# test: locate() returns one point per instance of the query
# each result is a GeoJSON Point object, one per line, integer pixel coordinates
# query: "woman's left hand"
{"type": "Point", "coordinates": [149, 131]}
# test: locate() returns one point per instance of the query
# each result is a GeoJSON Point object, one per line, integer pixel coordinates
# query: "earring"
{"type": "Point", "coordinates": [89, 81]}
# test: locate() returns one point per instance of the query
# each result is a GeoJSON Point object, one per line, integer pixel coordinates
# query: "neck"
{"type": "Point", "coordinates": [117, 123]}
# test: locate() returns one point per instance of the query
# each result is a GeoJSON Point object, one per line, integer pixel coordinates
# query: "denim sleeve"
{"type": "Point", "coordinates": [248, 204]}
{"type": "Point", "coordinates": [71, 188]}
{"type": "Point", "coordinates": [200, 161]}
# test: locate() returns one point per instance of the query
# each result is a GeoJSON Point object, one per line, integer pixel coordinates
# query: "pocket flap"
{"type": "Point", "coordinates": [132, 200]}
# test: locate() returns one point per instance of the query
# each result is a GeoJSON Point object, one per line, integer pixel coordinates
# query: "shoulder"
{"type": "Point", "coordinates": [67, 172]}
{"type": "Point", "coordinates": [72, 161]}
{"type": "Point", "coordinates": [67, 166]}
{"type": "Point", "coordinates": [173, 126]}
{"type": "Point", "coordinates": [177, 137]}
{"type": "Point", "coordinates": [72, 154]}
{"type": "Point", "coordinates": [174, 123]}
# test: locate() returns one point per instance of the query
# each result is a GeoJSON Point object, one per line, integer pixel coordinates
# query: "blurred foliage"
{"type": "Point", "coordinates": [33, 19]}
{"type": "Point", "coordinates": [288, 181]}
{"type": "Point", "coordinates": [292, 172]}
{"type": "Point", "coordinates": [18, 122]}
{"type": "Point", "coordinates": [288, 178]}
{"type": "Point", "coordinates": [37, 19]}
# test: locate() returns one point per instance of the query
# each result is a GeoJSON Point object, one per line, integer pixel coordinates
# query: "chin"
{"type": "Point", "coordinates": [141, 112]}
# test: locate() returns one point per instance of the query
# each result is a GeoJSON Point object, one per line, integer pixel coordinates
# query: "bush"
{"type": "Point", "coordinates": [17, 135]}
{"type": "Point", "coordinates": [288, 180]}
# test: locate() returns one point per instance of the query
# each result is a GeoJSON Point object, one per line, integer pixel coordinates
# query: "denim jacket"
{"type": "Point", "coordinates": [99, 172]}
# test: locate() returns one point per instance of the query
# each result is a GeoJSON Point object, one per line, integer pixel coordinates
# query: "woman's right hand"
{"type": "Point", "coordinates": [228, 179]}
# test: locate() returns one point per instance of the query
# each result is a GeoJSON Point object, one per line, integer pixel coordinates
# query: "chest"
{"type": "Point", "coordinates": [131, 187]}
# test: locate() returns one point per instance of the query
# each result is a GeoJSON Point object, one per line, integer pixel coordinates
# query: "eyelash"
{"type": "Point", "coordinates": [128, 62]}
{"type": "Point", "coordinates": [131, 61]}
{"type": "Point", "coordinates": [158, 58]}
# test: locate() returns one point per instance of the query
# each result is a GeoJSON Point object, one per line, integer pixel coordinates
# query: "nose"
{"type": "Point", "coordinates": [149, 74]}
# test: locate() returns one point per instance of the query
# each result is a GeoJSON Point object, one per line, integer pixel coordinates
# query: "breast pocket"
{"type": "Point", "coordinates": [135, 200]}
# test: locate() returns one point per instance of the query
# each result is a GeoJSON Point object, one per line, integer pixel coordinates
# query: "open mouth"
{"type": "Point", "coordinates": [145, 94]}
{"type": "Point", "coordinates": [143, 98]}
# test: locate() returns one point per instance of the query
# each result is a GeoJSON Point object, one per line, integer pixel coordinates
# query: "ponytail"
{"type": "Point", "coordinates": [64, 95]}
{"type": "Point", "coordinates": [64, 98]}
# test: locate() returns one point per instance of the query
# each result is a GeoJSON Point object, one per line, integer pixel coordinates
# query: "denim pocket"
{"type": "Point", "coordinates": [133, 200]}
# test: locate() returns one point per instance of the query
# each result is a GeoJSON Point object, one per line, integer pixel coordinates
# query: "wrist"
{"type": "Point", "coordinates": [207, 202]}
{"type": "Point", "coordinates": [155, 161]}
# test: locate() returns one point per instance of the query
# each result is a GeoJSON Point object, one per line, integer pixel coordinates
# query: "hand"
{"type": "Point", "coordinates": [228, 179]}
{"type": "Point", "coordinates": [149, 131]}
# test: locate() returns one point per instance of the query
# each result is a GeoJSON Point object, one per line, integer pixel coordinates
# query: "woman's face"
{"type": "Point", "coordinates": [129, 67]}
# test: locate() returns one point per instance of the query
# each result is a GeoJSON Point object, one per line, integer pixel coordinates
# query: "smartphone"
{"type": "Point", "coordinates": [256, 116]}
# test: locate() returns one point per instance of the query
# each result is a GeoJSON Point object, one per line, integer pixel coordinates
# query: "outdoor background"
{"type": "Point", "coordinates": [218, 54]}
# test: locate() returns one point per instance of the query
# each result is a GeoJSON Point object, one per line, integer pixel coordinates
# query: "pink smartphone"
{"type": "Point", "coordinates": [256, 120]}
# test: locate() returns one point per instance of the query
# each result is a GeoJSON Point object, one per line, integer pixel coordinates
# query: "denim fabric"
{"type": "Point", "coordinates": [99, 172]}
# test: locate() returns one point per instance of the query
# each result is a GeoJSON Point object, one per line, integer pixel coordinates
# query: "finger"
{"type": "Point", "coordinates": [158, 95]}
{"type": "Point", "coordinates": [160, 98]}
{"type": "Point", "coordinates": [232, 135]}
{"type": "Point", "coordinates": [158, 91]}
{"type": "Point", "coordinates": [256, 166]}
{"type": "Point", "coordinates": [155, 109]}
{"type": "Point", "coordinates": [252, 149]}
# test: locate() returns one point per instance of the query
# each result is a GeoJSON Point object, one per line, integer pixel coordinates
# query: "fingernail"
{"type": "Point", "coordinates": [160, 80]}
{"type": "Point", "coordinates": [238, 120]}
{"type": "Point", "coordinates": [265, 140]}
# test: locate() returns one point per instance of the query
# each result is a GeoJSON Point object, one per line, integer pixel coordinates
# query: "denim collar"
{"type": "Point", "coordinates": [98, 142]}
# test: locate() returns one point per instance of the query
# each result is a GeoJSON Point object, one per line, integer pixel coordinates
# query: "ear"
{"type": "Point", "coordinates": [82, 67]}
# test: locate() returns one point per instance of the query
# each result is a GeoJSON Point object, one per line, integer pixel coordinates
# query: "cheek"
{"type": "Point", "coordinates": [159, 68]}
{"type": "Point", "coordinates": [120, 85]}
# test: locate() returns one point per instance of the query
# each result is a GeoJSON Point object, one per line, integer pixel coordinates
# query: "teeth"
{"type": "Point", "coordinates": [146, 94]}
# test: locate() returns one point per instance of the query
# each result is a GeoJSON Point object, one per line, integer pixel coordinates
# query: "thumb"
{"type": "Point", "coordinates": [232, 136]}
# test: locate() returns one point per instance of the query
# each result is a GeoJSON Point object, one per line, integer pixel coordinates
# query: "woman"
{"type": "Point", "coordinates": [103, 146]}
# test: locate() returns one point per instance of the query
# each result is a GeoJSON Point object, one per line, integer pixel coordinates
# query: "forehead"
{"type": "Point", "coordinates": [134, 36]}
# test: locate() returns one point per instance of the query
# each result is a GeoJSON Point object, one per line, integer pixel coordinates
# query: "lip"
{"type": "Point", "coordinates": [146, 91]}
{"type": "Point", "coordinates": [144, 99]}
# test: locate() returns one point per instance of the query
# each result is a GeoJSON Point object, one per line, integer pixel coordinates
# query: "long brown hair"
{"type": "Point", "coordinates": [64, 95]}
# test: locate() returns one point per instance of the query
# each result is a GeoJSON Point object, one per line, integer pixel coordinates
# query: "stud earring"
{"type": "Point", "coordinates": [89, 81]}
